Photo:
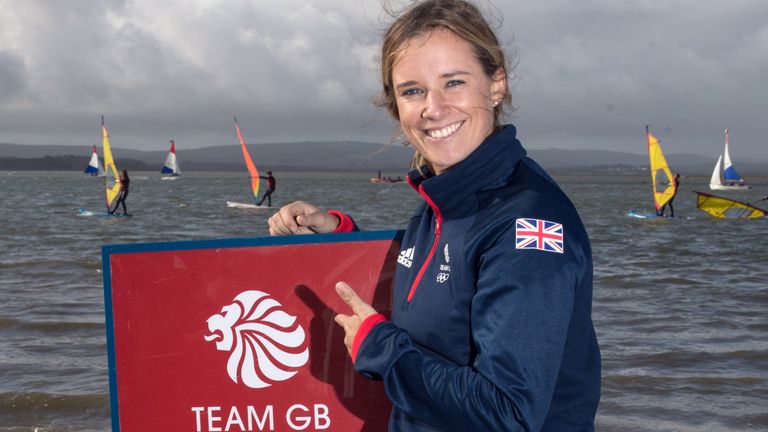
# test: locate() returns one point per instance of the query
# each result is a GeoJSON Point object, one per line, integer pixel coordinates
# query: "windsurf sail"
{"type": "Point", "coordinates": [254, 173]}
{"type": "Point", "coordinates": [661, 175]}
{"type": "Point", "coordinates": [171, 166]}
{"type": "Point", "coordinates": [726, 208]}
{"type": "Point", "coordinates": [94, 166]}
{"type": "Point", "coordinates": [111, 176]}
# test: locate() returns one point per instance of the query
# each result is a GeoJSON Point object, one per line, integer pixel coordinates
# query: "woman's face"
{"type": "Point", "coordinates": [444, 98]}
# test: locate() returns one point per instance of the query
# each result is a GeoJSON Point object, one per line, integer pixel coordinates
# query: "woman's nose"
{"type": "Point", "coordinates": [434, 106]}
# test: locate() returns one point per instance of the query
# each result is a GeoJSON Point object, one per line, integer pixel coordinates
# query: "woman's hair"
{"type": "Point", "coordinates": [461, 17]}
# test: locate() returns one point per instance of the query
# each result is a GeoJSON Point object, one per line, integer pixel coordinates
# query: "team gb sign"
{"type": "Point", "coordinates": [237, 335]}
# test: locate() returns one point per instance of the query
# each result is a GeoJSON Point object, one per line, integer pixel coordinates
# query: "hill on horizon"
{"type": "Point", "coordinates": [352, 156]}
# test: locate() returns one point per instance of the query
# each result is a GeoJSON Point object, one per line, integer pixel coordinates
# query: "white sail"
{"type": "Point", "coordinates": [729, 171]}
{"type": "Point", "coordinates": [94, 167]}
{"type": "Point", "coordinates": [717, 179]}
{"type": "Point", "coordinates": [724, 176]}
{"type": "Point", "coordinates": [171, 166]}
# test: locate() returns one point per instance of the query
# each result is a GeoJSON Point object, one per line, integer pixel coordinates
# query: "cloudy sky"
{"type": "Point", "coordinates": [590, 73]}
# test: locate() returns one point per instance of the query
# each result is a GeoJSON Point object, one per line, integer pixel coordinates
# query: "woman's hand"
{"type": "Point", "coordinates": [300, 217]}
{"type": "Point", "coordinates": [360, 310]}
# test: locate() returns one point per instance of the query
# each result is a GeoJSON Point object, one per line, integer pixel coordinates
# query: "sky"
{"type": "Point", "coordinates": [588, 74]}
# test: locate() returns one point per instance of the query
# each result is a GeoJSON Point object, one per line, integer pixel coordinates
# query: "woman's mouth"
{"type": "Point", "coordinates": [444, 132]}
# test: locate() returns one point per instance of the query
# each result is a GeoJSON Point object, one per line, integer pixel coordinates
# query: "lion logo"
{"type": "Point", "coordinates": [267, 345]}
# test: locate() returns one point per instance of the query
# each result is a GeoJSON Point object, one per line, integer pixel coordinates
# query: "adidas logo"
{"type": "Point", "coordinates": [406, 257]}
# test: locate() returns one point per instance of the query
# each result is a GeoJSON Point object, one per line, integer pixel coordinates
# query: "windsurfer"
{"type": "Point", "coordinates": [271, 183]}
{"type": "Point", "coordinates": [676, 183]}
{"type": "Point", "coordinates": [125, 183]}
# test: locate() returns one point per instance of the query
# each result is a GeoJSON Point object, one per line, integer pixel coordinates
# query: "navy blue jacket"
{"type": "Point", "coordinates": [491, 326]}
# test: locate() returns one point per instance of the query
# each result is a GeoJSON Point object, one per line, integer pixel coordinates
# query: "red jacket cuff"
{"type": "Point", "coordinates": [365, 327]}
{"type": "Point", "coordinates": [346, 224]}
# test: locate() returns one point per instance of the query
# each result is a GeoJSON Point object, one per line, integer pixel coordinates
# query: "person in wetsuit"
{"type": "Point", "coordinates": [270, 188]}
{"type": "Point", "coordinates": [676, 183]}
{"type": "Point", "coordinates": [125, 183]}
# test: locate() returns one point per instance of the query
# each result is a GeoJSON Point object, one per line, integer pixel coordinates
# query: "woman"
{"type": "Point", "coordinates": [491, 320]}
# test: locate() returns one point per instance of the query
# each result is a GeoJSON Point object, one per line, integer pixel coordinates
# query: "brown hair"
{"type": "Point", "coordinates": [459, 16]}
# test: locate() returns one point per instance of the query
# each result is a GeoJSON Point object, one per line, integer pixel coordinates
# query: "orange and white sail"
{"type": "Point", "coordinates": [661, 175]}
{"type": "Point", "coordinates": [252, 170]}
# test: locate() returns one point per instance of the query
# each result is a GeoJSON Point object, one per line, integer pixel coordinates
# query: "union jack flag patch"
{"type": "Point", "coordinates": [538, 234]}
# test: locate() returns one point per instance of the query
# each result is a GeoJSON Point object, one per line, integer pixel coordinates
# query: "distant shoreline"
{"type": "Point", "coordinates": [78, 163]}
{"type": "Point", "coordinates": [74, 163]}
{"type": "Point", "coordinates": [70, 162]}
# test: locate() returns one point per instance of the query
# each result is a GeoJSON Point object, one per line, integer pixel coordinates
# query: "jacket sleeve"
{"type": "Point", "coordinates": [346, 223]}
{"type": "Point", "coordinates": [520, 316]}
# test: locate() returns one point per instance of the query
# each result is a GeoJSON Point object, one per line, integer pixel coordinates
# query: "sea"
{"type": "Point", "coordinates": [680, 304]}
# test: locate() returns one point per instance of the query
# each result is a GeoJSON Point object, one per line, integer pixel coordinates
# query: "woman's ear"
{"type": "Point", "coordinates": [499, 85]}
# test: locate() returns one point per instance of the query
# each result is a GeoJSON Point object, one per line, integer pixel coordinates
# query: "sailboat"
{"type": "Point", "coordinates": [111, 178]}
{"type": "Point", "coordinates": [253, 173]}
{"type": "Point", "coordinates": [724, 176]}
{"type": "Point", "coordinates": [726, 208]}
{"type": "Point", "coordinates": [380, 179]}
{"type": "Point", "coordinates": [94, 167]}
{"type": "Point", "coordinates": [662, 181]}
{"type": "Point", "coordinates": [171, 169]}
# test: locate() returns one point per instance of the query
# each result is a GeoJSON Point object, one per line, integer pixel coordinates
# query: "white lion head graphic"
{"type": "Point", "coordinates": [265, 342]}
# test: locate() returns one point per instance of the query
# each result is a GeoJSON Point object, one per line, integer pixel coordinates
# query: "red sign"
{"type": "Point", "coordinates": [238, 335]}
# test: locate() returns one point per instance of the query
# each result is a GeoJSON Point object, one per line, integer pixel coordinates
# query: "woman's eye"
{"type": "Point", "coordinates": [410, 92]}
{"type": "Point", "coordinates": [454, 83]}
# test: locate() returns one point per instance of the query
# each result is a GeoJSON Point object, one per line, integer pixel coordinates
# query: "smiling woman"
{"type": "Point", "coordinates": [491, 325]}
{"type": "Point", "coordinates": [486, 70]}
{"type": "Point", "coordinates": [445, 101]}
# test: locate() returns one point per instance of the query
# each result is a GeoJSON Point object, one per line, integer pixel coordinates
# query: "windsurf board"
{"type": "Point", "coordinates": [240, 205]}
{"type": "Point", "coordinates": [84, 212]}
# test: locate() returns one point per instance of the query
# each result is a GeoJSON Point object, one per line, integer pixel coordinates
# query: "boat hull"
{"type": "Point", "coordinates": [375, 180]}
{"type": "Point", "coordinates": [727, 187]}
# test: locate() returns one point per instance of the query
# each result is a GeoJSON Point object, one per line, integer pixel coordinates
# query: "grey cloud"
{"type": "Point", "coordinates": [12, 76]}
{"type": "Point", "coordinates": [591, 73]}
{"type": "Point", "coordinates": [690, 67]}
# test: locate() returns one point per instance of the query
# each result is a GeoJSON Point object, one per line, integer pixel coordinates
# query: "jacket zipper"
{"type": "Point", "coordinates": [438, 226]}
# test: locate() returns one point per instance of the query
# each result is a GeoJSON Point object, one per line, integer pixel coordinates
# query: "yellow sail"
{"type": "Point", "coordinates": [254, 173]}
{"type": "Point", "coordinates": [663, 188]}
{"type": "Point", "coordinates": [111, 176]}
{"type": "Point", "coordinates": [726, 208]}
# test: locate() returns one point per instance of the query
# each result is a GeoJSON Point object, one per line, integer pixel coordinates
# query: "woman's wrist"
{"type": "Point", "coordinates": [344, 222]}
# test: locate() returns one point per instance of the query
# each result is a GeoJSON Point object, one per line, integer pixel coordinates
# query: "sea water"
{"type": "Point", "coordinates": [679, 304]}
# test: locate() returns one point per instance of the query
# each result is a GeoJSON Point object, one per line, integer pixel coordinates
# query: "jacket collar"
{"type": "Point", "coordinates": [454, 191]}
